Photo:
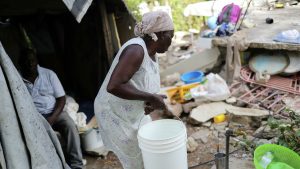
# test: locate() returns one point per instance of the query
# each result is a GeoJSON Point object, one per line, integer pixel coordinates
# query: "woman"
{"type": "Point", "coordinates": [129, 91]}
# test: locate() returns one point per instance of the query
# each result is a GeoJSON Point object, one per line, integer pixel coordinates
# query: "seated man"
{"type": "Point", "coordinates": [49, 98]}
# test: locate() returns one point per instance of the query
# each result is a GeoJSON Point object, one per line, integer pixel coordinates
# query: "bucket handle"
{"type": "Point", "coordinates": [182, 123]}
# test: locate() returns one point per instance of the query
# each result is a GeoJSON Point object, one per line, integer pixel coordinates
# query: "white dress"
{"type": "Point", "coordinates": [119, 119]}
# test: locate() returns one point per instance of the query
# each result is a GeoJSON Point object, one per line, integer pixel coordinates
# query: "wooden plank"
{"type": "Point", "coordinates": [106, 31]}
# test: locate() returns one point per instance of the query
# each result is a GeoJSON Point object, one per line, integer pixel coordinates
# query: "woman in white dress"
{"type": "Point", "coordinates": [129, 91]}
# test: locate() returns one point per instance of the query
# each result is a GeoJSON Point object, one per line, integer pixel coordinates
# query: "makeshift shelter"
{"type": "Point", "coordinates": [80, 53]}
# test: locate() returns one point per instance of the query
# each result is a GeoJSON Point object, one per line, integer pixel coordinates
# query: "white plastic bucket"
{"type": "Point", "coordinates": [163, 144]}
{"type": "Point", "coordinates": [91, 140]}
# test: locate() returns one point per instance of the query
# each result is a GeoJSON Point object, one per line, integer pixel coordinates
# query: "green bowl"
{"type": "Point", "coordinates": [282, 154]}
{"type": "Point", "coordinates": [279, 165]}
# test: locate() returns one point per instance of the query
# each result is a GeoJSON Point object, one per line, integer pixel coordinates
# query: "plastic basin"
{"type": "Point", "coordinates": [282, 155]}
{"type": "Point", "coordinates": [192, 77]}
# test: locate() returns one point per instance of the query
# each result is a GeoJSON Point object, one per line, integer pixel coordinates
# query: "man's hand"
{"type": "Point", "coordinates": [51, 120]}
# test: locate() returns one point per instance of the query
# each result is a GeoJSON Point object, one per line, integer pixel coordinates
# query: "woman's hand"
{"type": "Point", "coordinates": [156, 102]}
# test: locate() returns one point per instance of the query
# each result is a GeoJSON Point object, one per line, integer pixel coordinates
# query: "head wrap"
{"type": "Point", "coordinates": [152, 22]}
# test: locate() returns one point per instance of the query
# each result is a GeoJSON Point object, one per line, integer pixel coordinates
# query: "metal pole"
{"type": "Point", "coordinates": [228, 134]}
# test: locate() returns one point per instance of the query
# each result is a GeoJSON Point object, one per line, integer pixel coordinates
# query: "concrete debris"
{"type": "Point", "coordinates": [193, 121]}
{"type": "Point", "coordinates": [293, 103]}
{"type": "Point", "coordinates": [191, 145]}
{"type": "Point", "coordinates": [207, 124]}
{"type": "Point", "coordinates": [220, 126]}
{"type": "Point", "coordinates": [247, 117]}
{"type": "Point", "coordinates": [265, 132]}
{"type": "Point", "coordinates": [263, 141]}
{"type": "Point", "coordinates": [171, 80]}
{"type": "Point", "coordinates": [201, 135]}
{"type": "Point", "coordinates": [231, 100]}
{"type": "Point", "coordinates": [239, 111]}
{"type": "Point", "coordinates": [208, 58]}
{"type": "Point", "coordinates": [205, 112]}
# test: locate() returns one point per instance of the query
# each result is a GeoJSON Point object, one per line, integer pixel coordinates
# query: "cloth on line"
{"type": "Point", "coordinates": [78, 7]}
{"type": "Point", "coordinates": [235, 44]}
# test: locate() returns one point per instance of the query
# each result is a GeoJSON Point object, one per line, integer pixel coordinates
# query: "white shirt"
{"type": "Point", "coordinates": [45, 90]}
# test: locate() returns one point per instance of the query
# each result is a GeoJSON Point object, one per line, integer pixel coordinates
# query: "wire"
{"type": "Point", "coordinates": [260, 104]}
{"type": "Point", "coordinates": [200, 164]}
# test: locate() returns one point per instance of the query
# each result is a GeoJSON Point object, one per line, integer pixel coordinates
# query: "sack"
{"type": "Point", "coordinates": [229, 14]}
{"type": "Point", "coordinates": [215, 89]}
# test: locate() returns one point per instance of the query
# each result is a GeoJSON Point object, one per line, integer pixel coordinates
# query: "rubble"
{"type": "Point", "coordinates": [220, 126]}
{"type": "Point", "coordinates": [265, 132]}
{"type": "Point", "coordinates": [248, 117]}
{"type": "Point", "coordinates": [191, 145]}
{"type": "Point", "coordinates": [205, 112]}
{"type": "Point", "coordinates": [206, 124]}
{"type": "Point", "coordinates": [171, 80]}
{"type": "Point", "coordinates": [231, 100]}
{"type": "Point", "coordinates": [201, 135]}
{"type": "Point", "coordinates": [236, 163]}
{"type": "Point", "coordinates": [208, 58]}
{"type": "Point", "coordinates": [293, 103]}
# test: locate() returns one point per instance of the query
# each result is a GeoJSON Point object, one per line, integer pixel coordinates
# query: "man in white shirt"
{"type": "Point", "coordinates": [49, 98]}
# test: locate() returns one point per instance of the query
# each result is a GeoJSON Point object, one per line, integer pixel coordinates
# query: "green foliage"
{"type": "Point", "coordinates": [289, 131]}
{"type": "Point", "coordinates": [181, 22]}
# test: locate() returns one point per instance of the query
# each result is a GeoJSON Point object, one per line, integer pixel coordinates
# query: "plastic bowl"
{"type": "Point", "coordinates": [192, 77]}
{"type": "Point", "coordinates": [282, 154]}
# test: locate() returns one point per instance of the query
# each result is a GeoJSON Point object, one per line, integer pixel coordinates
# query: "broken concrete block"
{"type": "Point", "coordinates": [205, 112]}
{"type": "Point", "coordinates": [207, 124]}
{"type": "Point", "coordinates": [239, 111]}
{"type": "Point", "coordinates": [248, 117]}
{"type": "Point", "coordinates": [193, 121]}
{"type": "Point", "coordinates": [201, 135]}
{"type": "Point", "coordinates": [293, 104]}
{"type": "Point", "coordinates": [265, 132]}
{"type": "Point", "coordinates": [208, 58]}
{"type": "Point", "coordinates": [191, 145]}
{"type": "Point", "coordinates": [220, 126]}
{"type": "Point", "coordinates": [231, 100]}
{"type": "Point", "coordinates": [263, 141]}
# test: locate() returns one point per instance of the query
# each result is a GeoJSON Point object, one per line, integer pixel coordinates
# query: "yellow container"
{"type": "Point", "coordinates": [219, 118]}
{"type": "Point", "coordinates": [177, 93]}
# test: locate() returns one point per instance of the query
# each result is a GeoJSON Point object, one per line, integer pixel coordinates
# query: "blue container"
{"type": "Point", "coordinates": [192, 77]}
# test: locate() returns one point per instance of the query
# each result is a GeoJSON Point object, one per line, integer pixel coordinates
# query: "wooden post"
{"type": "Point", "coordinates": [106, 31]}
{"type": "Point", "coordinates": [114, 31]}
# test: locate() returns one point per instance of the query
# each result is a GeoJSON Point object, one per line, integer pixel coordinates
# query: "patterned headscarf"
{"type": "Point", "coordinates": [152, 22]}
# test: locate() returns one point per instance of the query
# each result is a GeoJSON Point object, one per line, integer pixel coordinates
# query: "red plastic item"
{"type": "Point", "coordinates": [287, 84]}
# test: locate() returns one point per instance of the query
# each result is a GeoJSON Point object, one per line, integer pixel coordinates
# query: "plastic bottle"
{"type": "Point", "coordinates": [266, 159]}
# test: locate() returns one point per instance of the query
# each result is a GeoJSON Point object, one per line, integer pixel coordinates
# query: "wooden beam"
{"type": "Point", "coordinates": [106, 31]}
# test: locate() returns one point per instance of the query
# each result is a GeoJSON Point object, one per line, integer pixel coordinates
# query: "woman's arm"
{"type": "Point", "coordinates": [129, 63]}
